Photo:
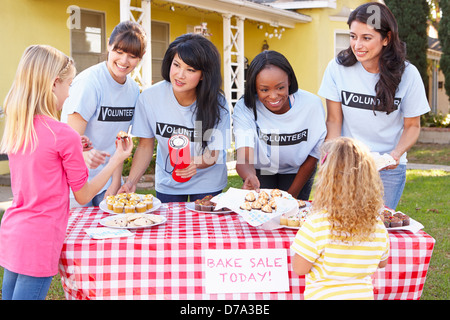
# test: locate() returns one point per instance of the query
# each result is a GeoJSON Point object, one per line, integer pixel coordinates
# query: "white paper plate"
{"type": "Point", "coordinates": [156, 205]}
{"type": "Point", "coordinates": [191, 206]}
{"type": "Point", "coordinates": [104, 220]}
{"type": "Point", "coordinates": [414, 226]}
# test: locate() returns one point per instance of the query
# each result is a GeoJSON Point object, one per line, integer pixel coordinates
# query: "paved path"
{"type": "Point", "coordinates": [6, 195]}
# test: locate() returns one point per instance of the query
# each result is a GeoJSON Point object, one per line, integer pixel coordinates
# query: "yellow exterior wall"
{"type": "Point", "coordinates": [27, 22]}
{"type": "Point", "coordinates": [309, 46]}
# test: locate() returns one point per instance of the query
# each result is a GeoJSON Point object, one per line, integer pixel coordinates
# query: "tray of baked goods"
{"type": "Point", "coordinates": [205, 205]}
{"type": "Point", "coordinates": [133, 220]}
{"type": "Point", "coordinates": [257, 208]}
{"type": "Point", "coordinates": [130, 203]}
{"type": "Point", "coordinates": [294, 220]}
{"type": "Point", "coordinates": [397, 220]}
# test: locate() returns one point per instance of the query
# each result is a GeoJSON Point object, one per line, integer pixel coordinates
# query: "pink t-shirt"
{"type": "Point", "coordinates": [32, 230]}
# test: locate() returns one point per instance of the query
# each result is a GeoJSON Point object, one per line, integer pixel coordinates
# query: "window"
{"type": "Point", "coordinates": [88, 44]}
{"type": "Point", "coordinates": [341, 41]}
{"type": "Point", "coordinates": [160, 43]}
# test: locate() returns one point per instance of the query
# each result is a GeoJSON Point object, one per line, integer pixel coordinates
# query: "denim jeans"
{"type": "Point", "coordinates": [183, 197]}
{"type": "Point", "coordinates": [95, 202]}
{"type": "Point", "coordinates": [21, 287]}
{"type": "Point", "coordinates": [284, 181]}
{"type": "Point", "coordinates": [394, 183]}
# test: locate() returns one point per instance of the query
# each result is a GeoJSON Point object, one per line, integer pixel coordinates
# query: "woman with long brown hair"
{"type": "Point", "coordinates": [374, 94]}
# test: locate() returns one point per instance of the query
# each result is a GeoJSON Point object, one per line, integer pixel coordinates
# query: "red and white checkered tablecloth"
{"type": "Point", "coordinates": [166, 261]}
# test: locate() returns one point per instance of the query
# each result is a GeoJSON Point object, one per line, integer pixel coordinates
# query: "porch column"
{"type": "Point", "coordinates": [142, 74]}
{"type": "Point", "coordinates": [227, 56]}
{"type": "Point", "coordinates": [147, 58]}
{"type": "Point", "coordinates": [233, 58]}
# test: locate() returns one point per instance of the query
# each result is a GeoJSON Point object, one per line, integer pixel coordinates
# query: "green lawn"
{"type": "Point", "coordinates": [425, 198]}
{"type": "Point", "coordinates": [430, 153]}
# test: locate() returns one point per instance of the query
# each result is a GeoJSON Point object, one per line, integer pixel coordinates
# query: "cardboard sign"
{"type": "Point", "coordinates": [246, 270]}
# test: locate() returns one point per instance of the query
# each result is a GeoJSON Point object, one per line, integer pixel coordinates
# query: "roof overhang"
{"type": "Point", "coordinates": [249, 10]}
{"type": "Point", "coordinates": [305, 4]}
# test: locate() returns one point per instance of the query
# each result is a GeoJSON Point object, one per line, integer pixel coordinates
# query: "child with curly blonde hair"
{"type": "Point", "coordinates": [343, 241]}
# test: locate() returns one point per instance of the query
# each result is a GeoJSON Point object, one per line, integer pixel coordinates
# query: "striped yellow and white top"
{"type": "Point", "coordinates": [340, 271]}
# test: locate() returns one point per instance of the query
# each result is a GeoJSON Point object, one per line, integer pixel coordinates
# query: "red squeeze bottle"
{"type": "Point", "coordinates": [180, 155]}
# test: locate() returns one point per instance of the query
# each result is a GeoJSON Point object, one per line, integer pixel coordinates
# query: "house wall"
{"type": "Point", "coordinates": [309, 46]}
{"type": "Point", "coordinates": [27, 22]}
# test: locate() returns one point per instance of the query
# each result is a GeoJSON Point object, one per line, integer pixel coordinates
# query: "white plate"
{"type": "Point", "coordinates": [102, 222]}
{"type": "Point", "coordinates": [191, 206]}
{"type": "Point", "coordinates": [156, 205]}
{"type": "Point", "coordinates": [414, 226]}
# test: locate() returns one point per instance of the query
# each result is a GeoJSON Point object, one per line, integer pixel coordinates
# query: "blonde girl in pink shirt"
{"type": "Point", "coordinates": [46, 160]}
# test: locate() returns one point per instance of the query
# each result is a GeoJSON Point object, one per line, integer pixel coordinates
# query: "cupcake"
{"type": "Point", "coordinates": [118, 207]}
{"type": "Point", "coordinates": [147, 197]}
{"type": "Point", "coordinates": [129, 208]}
{"type": "Point", "coordinates": [110, 204]}
{"type": "Point", "coordinates": [122, 201]}
{"type": "Point", "coordinates": [121, 196]}
{"type": "Point", "coordinates": [134, 197]}
{"type": "Point", "coordinates": [148, 203]}
{"type": "Point", "coordinates": [141, 207]}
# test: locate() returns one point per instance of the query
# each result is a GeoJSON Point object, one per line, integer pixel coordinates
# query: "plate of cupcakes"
{"type": "Point", "coordinates": [130, 203]}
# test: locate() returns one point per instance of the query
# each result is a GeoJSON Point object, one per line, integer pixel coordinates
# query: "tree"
{"type": "Point", "coordinates": [444, 38]}
{"type": "Point", "coordinates": [412, 17]}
